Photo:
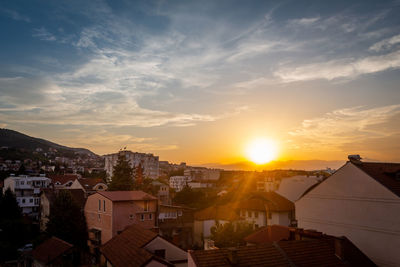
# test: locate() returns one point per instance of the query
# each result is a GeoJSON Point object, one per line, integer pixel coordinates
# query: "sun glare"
{"type": "Point", "coordinates": [261, 151]}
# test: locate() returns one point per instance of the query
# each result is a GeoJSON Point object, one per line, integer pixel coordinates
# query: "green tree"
{"type": "Point", "coordinates": [13, 231]}
{"type": "Point", "coordinates": [67, 221]}
{"type": "Point", "coordinates": [122, 178]}
{"type": "Point", "coordinates": [229, 234]}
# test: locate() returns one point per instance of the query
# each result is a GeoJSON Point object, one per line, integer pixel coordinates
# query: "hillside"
{"type": "Point", "coordinates": [16, 140]}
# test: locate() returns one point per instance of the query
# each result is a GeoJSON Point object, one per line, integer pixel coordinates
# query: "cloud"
{"type": "Point", "coordinates": [303, 21]}
{"type": "Point", "coordinates": [342, 68]}
{"type": "Point", "coordinates": [43, 34]}
{"type": "Point", "coordinates": [341, 127]}
{"type": "Point", "coordinates": [385, 44]}
{"type": "Point", "coordinates": [15, 15]}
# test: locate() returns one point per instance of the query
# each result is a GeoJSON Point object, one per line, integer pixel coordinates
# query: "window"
{"type": "Point", "coordinates": [104, 205]}
{"type": "Point", "coordinates": [269, 215]}
{"type": "Point", "coordinates": [99, 205]}
{"type": "Point", "coordinates": [131, 216]}
{"type": "Point", "coordinates": [256, 214]}
{"type": "Point", "coordinates": [179, 213]}
{"type": "Point", "coordinates": [142, 217]}
{"type": "Point", "coordinates": [31, 200]}
{"type": "Point", "coordinates": [150, 216]}
{"type": "Point", "coordinates": [22, 182]}
{"type": "Point", "coordinates": [256, 226]}
{"type": "Point", "coordinates": [146, 206]}
{"type": "Point", "coordinates": [243, 213]}
{"type": "Point", "coordinates": [23, 200]}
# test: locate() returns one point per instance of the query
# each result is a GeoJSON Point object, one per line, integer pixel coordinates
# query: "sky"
{"type": "Point", "coordinates": [196, 81]}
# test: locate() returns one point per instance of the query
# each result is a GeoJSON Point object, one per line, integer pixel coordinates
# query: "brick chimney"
{"type": "Point", "coordinates": [339, 247]}
{"type": "Point", "coordinates": [354, 158]}
{"type": "Point", "coordinates": [233, 256]}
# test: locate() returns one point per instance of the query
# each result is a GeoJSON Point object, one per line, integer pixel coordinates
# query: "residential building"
{"type": "Point", "coordinates": [52, 252]}
{"type": "Point", "coordinates": [267, 184]}
{"type": "Point", "coordinates": [361, 201]}
{"type": "Point", "coordinates": [136, 246]}
{"type": "Point", "coordinates": [162, 192]}
{"type": "Point", "coordinates": [176, 223]}
{"type": "Point", "coordinates": [148, 162]}
{"type": "Point", "coordinates": [63, 180]}
{"type": "Point", "coordinates": [109, 212]}
{"type": "Point", "coordinates": [301, 249]}
{"type": "Point", "coordinates": [27, 192]}
{"type": "Point", "coordinates": [199, 173]}
{"type": "Point", "coordinates": [89, 185]}
{"type": "Point", "coordinates": [178, 182]}
{"type": "Point", "coordinates": [205, 219]}
{"type": "Point", "coordinates": [294, 187]}
{"type": "Point", "coordinates": [47, 197]}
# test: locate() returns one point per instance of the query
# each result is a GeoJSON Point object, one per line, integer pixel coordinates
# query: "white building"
{"type": "Point", "coordinates": [148, 162]}
{"type": "Point", "coordinates": [361, 201]}
{"type": "Point", "coordinates": [197, 173]}
{"type": "Point", "coordinates": [27, 192]}
{"type": "Point", "coordinates": [178, 182]}
{"type": "Point", "coordinates": [294, 187]}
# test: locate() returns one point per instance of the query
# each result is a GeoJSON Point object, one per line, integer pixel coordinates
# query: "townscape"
{"type": "Point", "coordinates": [136, 210]}
{"type": "Point", "coordinates": [212, 133]}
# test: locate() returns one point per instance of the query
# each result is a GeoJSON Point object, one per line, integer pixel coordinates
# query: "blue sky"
{"type": "Point", "coordinates": [195, 80]}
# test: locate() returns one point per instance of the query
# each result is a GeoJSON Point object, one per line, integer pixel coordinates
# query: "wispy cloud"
{"type": "Point", "coordinates": [43, 34]}
{"type": "Point", "coordinates": [386, 43]}
{"type": "Point", "coordinates": [342, 68]}
{"type": "Point", "coordinates": [15, 15]}
{"type": "Point", "coordinates": [343, 126]}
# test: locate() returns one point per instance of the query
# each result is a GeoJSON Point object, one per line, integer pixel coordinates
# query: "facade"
{"type": "Point", "coordinates": [109, 212]}
{"type": "Point", "coordinates": [175, 223]}
{"type": "Point", "coordinates": [267, 184]}
{"type": "Point", "coordinates": [27, 191]}
{"type": "Point", "coordinates": [179, 182]}
{"type": "Point", "coordinates": [361, 201]}
{"type": "Point", "coordinates": [148, 162]}
{"type": "Point", "coordinates": [136, 246]}
{"type": "Point", "coordinates": [162, 192]}
{"type": "Point", "coordinates": [202, 174]}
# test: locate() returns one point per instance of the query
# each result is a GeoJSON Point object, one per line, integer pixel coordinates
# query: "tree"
{"type": "Point", "coordinates": [13, 231]}
{"type": "Point", "coordinates": [67, 221]}
{"type": "Point", "coordinates": [229, 234]}
{"type": "Point", "coordinates": [122, 178]}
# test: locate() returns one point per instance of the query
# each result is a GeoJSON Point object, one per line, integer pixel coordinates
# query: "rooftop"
{"type": "Point", "coordinates": [126, 249]}
{"type": "Point", "coordinates": [126, 195]}
{"type": "Point", "coordinates": [50, 249]}
{"type": "Point", "coordinates": [269, 234]}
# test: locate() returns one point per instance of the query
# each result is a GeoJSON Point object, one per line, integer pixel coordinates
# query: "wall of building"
{"type": "Point", "coordinates": [352, 204]}
{"type": "Point", "coordinates": [129, 212]}
{"type": "Point", "coordinates": [99, 219]}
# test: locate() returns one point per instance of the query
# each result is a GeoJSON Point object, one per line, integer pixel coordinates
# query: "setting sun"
{"type": "Point", "coordinates": [261, 151]}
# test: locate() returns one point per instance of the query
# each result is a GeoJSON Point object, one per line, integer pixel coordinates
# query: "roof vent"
{"type": "Point", "coordinates": [354, 158]}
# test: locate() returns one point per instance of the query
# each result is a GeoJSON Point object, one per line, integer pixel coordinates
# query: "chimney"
{"type": "Point", "coordinates": [233, 256]}
{"type": "Point", "coordinates": [354, 158]}
{"type": "Point", "coordinates": [339, 247]}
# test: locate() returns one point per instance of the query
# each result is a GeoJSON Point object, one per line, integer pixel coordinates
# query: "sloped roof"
{"type": "Point", "coordinates": [294, 187]}
{"type": "Point", "coordinates": [384, 173]}
{"type": "Point", "coordinates": [63, 179]}
{"type": "Point", "coordinates": [90, 183]}
{"type": "Point", "coordinates": [252, 204]}
{"type": "Point", "coordinates": [126, 195]}
{"type": "Point", "coordinates": [313, 252]}
{"type": "Point", "coordinates": [126, 249]}
{"type": "Point", "coordinates": [268, 234]}
{"type": "Point", "coordinates": [217, 212]}
{"type": "Point", "coordinates": [274, 201]}
{"type": "Point", "coordinates": [50, 249]}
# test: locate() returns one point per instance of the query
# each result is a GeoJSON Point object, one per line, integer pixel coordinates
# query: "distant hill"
{"type": "Point", "coordinates": [14, 139]}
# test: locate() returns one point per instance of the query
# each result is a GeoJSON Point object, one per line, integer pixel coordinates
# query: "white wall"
{"type": "Point", "coordinates": [172, 252]}
{"type": "Point", "coordinates": [352, 204]}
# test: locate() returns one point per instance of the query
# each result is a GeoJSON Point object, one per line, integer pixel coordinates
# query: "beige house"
{"type": "Point", "coordinates": [110, 212]}
{"type": "Point", "coordinates": [362, 202]}
{"type": "Point", "coordinates": [89, 185]}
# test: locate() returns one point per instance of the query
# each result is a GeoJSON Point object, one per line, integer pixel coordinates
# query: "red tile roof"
{"type": "Point", "coordinates": [252, 204]}
{"type": "Point", "coordinates": [222, 212]}
{"type": "Point", "coordinates": [387, 174]}
{"type": "Point", "coordinates": [317, 252]}
{"type": "Point", "coordinates": [126, 249]}
{"type": "Point", "coordinates": [268, 234]}
{"type": "Point", "coordinates": [50, 250]}
{"type": "Point", "coordinates": [126, 195]}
